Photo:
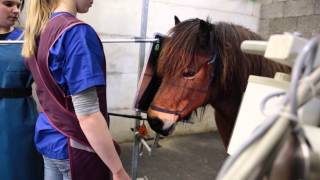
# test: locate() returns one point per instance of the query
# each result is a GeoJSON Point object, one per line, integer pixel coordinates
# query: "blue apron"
{"type": "Point", "coordinates": [19, 159]}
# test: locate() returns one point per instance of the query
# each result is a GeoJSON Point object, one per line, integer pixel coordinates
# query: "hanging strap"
{"type": "Point", "coordinates": [15, 92]}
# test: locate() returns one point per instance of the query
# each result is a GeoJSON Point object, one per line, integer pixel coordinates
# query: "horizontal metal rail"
{"type": "Point", "coordinates": [133, 40]}
{"type": "Point", "coordinates": [105, 41]}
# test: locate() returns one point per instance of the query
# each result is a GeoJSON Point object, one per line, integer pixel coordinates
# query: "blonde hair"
{"type": "Point", "coordinates": [38, 14]}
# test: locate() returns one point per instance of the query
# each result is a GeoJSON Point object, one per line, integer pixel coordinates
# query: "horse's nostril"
{"type": "Point", "coordinates": [157, 125]}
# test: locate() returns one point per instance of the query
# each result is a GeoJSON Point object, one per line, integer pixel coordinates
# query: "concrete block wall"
{"type": "Point", "coordinates": [239, 12]}
{"type": "Point", "coordinates": [278, 16]}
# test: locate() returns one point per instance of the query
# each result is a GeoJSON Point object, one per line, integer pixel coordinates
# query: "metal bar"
{"type": "Point", "coordinates": [143, 34]}
{"type": "Point", "coordinates": [105, 41]}
{"type": "Point", "coordinates": [152, 40]}
{"type": "Point", "coordinates": [135, 151]}
{"type": "Point", "coordinates": [146, 145]}
{"type": "Point", "coordinates": [137, 141]}
{"type": "Point", "coordinates": [11, 42]}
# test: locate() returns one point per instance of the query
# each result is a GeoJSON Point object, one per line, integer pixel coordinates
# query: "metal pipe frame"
{"type": "Point", "coordinates": [142, 50]}
{"type": "Point", "coordinates": [104, 41]}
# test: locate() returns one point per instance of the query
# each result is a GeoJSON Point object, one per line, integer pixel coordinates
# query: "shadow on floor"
{"type": "Point", "coordinates": [191, 157]}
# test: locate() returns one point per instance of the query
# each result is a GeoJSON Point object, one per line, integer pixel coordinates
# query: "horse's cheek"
{"type": "Point", "coordinates": [167, 96]}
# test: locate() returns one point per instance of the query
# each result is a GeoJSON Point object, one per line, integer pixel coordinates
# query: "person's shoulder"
{"type": "Point", "coordinates": [82, 29]}
{"type": "Point", "coordinates": [81, 34]}
{"type": "Point", "coordinates": [18, 30]}
{"type": "Point", "coordinates": [15, 34]}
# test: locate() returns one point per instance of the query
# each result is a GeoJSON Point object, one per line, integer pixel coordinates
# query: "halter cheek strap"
{"type": "Point", "coordinates": [215, 61]}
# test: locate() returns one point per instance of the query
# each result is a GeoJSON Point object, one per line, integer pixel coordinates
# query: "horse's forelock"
{"type": "Point", "coordinates": [181, 48]}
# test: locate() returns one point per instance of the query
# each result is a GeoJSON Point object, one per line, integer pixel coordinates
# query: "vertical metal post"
{"type": "Point", "coordinates": [143, 33]}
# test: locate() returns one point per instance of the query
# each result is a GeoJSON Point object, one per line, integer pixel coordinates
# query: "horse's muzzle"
{"type": "Point", "coordinates": [157, 125]}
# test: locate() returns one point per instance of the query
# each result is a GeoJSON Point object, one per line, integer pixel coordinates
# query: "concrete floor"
{"type": "Point", "coordinates": [190, 157]}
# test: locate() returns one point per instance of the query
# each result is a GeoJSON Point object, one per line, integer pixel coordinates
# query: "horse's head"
{"type": "Point", "coordinates": [186, 69]}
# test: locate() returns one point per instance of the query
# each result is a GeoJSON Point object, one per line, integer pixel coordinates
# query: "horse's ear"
{"type": "Point", "coordinates": [204, 27]}
{"type": "Point", "coordinates": [204, 36]}
{"type": "Point", "coordinates": [176, 20]}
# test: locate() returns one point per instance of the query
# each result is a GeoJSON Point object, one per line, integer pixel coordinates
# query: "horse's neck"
{"type": "Point", "coordinates": [225, 116]}
{"type": "Point", "coordinates": [226, 105]}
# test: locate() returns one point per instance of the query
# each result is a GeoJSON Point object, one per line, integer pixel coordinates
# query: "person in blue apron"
{"type": "Point", "coordinates": [66, 58]}
{"type": "Point", "coordinates": [19, 159]}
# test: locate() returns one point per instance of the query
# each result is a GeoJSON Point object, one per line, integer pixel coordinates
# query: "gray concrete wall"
{"type": "Point", "coordinates": [278, 16]}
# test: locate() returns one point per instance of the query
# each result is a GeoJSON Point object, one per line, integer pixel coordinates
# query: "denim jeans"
{"type": "Point", "coordinates": [55, 169]}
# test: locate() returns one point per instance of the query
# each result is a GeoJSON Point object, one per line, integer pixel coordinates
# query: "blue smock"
{"type": "Point", "coordinates": [75, 62]}
{"type": "Point", "coordinates": [18, 156]}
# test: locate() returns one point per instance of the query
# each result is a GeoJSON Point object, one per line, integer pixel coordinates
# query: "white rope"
{"type": "Point", "coordinates": [311, 85]}
{"type": "Point", "coordinates": [266, 99]}
{"type": "Point", "coordinates": [289, 116]}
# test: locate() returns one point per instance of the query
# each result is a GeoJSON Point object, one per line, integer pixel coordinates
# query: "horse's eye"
{"type": "Point", "coordinates": [189, 73]}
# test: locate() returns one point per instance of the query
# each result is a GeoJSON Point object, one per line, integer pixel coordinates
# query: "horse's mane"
{"type": "Point", "coordinates": [194, 37]}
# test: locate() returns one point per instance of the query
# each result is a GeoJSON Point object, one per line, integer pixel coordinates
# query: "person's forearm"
{"type": "Point", "coordinates": [96, 131]}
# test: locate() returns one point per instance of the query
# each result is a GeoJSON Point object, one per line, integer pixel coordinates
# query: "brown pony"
{"type": "Point", "coordinates": [201, 63]}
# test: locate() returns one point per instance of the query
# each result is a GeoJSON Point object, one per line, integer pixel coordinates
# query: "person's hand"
{"type": "Point", "coordinates": [121, 175]}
